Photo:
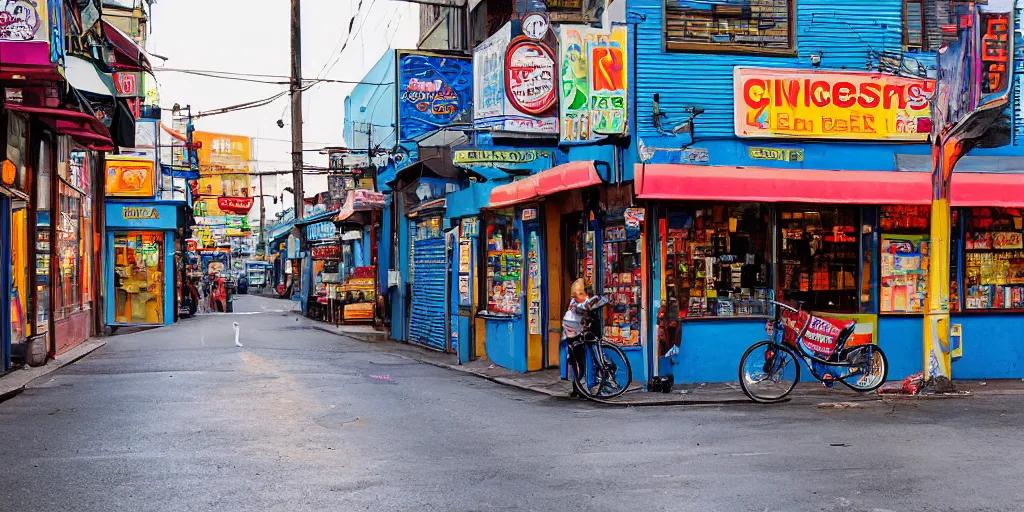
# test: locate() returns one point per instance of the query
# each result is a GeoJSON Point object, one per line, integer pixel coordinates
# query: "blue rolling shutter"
{"type": "Point", "coordinates": [426, 322]}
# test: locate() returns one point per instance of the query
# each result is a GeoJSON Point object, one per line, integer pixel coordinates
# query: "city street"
{"type": "Point", "coordinates": [179, 418]}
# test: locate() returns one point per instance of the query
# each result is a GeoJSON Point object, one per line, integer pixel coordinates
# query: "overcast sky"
{"type": "Point", "coordinates": [252, 36]}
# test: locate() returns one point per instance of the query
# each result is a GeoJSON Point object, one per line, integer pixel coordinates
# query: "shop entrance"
{"type": "Point", "coordinates": [138, 277]}
{"type": "Point", "coordinates": [578, 242]}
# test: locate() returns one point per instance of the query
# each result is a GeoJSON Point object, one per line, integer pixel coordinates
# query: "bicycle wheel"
{"type": "Point", "coordinates": [873, 366]}
{"type": "Point", "coordinates": [768, 372]}
{"type": "Point", "coordinates": [607, 379]}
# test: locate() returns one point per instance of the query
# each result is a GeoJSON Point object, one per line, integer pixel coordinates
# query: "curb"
{"type": "Point", "coordinates": [347, 335]}
{"type": "Point", "coordinates": [41, 371]}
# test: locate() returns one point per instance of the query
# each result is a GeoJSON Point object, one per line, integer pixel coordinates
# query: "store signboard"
{"type": "Point", "coordinates": [321, 231]}
{"type": "Point", "coordinates": [326, 252]}
{"type": "Point", "coordinates": [236, 205]}
{"type": "Point", "coordinates": [809, 104]}
{"type": "Point", "coordinates": [593, 65]}
{"type": "Point", "coordinates": [434, 91]}
{"type": "Point", "coordinates": [515, 88]}
{"type": "Point", "coordinates": [141, 215]}
{"type": "Point", "coordinates": [130, 177]}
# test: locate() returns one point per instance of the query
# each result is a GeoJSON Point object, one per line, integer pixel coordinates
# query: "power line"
{"type": "Point", "coordinates": [252, 77]}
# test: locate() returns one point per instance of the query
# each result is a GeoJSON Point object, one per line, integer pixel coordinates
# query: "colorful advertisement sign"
{"type": "Point", "coordinates": [433, 92]}
{"type": "Point", "coordinates": [24, 20]}
{"type": "Point", "coordinates": [499, 157]}
{"type": "Point", "coordinates": [594, 82]}
{"type": "Point", "coordinates": [130, 177]}
{"type": "Point", "coordinates": [219, 152]}
{"type": "Point", "coordinates": [779, 103]}
{"type": "Point", "coordinates": [514, 83]}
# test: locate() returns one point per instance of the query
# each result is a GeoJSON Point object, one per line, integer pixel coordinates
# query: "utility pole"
{"type": "Point", "coordinates": [263, 216]}
{"type": "Point", "coordinates": [296, 94]}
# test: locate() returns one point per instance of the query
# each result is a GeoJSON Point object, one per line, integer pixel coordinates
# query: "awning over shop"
{"type": "Point", "coordinates": [762, 184]}
{"type": "Point", "coordinates": [572, 175]}
{"type": "Point", "coordinates": [128, 54]}
{"type": "Point", "coordinates": [360, 200]}
{"type": "Point", "coordinates": [85, 76]}
{"type": "Point", "coordinates": [80, 126]}
{"type": "Point", "coordinates": [976, 189]}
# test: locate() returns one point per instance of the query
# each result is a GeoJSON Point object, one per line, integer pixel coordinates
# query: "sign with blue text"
{"type": "Point", "coordinates": [321, 231]}
{"type": "Point", "coordinates": [434, 91]}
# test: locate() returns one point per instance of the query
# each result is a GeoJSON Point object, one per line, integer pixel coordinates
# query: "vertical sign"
{"type": "Point", "coordinates": [533, 269]}
{"type": "Point", "coordinates": [593, 82]}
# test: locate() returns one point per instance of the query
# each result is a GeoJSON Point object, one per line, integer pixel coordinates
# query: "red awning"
{"type": "Point", "coordinates": [763, 184]}
{"type": "Point", "coordinates": [128, 54]}
{"type": "Point", "coordinates": [564, 177]}
{"type": "Point", "coordinates": [80, 126]}
{"type": "Point", "coordinates": [976, 189]}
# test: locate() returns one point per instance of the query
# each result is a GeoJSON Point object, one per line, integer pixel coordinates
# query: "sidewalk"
{"type": "Point", "coordinates": [14, 382]}
{"type": "Point", "coordinates": [547, 382]}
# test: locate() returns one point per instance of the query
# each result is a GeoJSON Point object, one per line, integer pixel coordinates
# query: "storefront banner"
{"type": "Point", "coordinates": [514, 86]}
{"type": "Point", "coordinates": [594, 82]}
{"type": "Point", "coordinates": [325, 252]}
{"type": "Point", "coordinates": [780, 103]}
{"type": "Point", "coordinates": [321, 231]}
{"type": "Point", "coordinates": [434, 91]}
{"type": "Point", "coordinates": [130, 177]}
{"type": "Point", "coordinates": [219, 152]}
{"type": "Point", "coordinates": [141, 215]}
{"type": "Point", "coordinates": [526, 160]}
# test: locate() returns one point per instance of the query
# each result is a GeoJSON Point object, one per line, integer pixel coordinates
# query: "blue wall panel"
{"type": "Point", "coordinates": [711, 349]}
{"type": "Point", "coordinates": [506, 343]}
{"type": "Point", "coordinates": [901, 339]}
{"type": "Point", "coordinates": [993, 347]}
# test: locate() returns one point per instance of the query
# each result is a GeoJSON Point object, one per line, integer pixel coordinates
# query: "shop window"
{"type": "Point", "coordinates": [738, 26]}
{"type": "Point", "coordinates": [904, 258]}
{"type": "Point", "coordinates": [994, 259]}
{"type": "Point", "coordinates": [43, 248]}
{"type": "Point", "coordinates": [818, 257]}
{"type": "Point", "coordinates": [716, 261]}
{"type": "Point", "coordinates": [17, 148]}
{"type": "Point", "coordinates": [68, 254]}
{"type": "Point", "coordinates": [139, 277]}
{"type": "Point", "coordinates": [623, 276]}
{"type": "Point", "coordinates": [914, 25]}
{"type": "Point", "coordinates": [504, 281]}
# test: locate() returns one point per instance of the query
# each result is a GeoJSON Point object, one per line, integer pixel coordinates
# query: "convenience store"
{"type": "Point", "coordinates": [541, 233]}
{"type": "Point", "coordinates": [849, 244]}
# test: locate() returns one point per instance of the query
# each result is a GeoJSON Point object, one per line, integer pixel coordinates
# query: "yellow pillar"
{"type": "Point", "coordinates": [936, 319]}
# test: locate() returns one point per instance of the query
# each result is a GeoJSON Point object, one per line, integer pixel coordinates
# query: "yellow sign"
{"type": "Point", "coordinates": [781, 103]}
{"type": "Point", "coordinates": [130, 177]}
{"type": "Point", "coordinates": [219, 152]}
{"type": "Point", "coordinates": [139, 212]}
{"type": "Point", "coordinates": [776, 154]}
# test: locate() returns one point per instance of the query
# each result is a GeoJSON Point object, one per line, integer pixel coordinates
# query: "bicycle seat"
{"type": "Point", "coordinates": [843, 337]}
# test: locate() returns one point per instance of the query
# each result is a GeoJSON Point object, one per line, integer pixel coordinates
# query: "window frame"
{"type": "Point", "coordinates": [730, 48]}
{"type": "Point", "coordinates": [923, 46]}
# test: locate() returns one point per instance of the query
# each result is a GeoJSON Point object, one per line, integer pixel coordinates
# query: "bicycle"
{"type": "Point", "coordinates": [820, 343]}
{"type": "Point", "coordinates": [605, 372]}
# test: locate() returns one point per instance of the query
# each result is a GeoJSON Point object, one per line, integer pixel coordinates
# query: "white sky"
{"type": "Point", "coordinates": [252, 36]}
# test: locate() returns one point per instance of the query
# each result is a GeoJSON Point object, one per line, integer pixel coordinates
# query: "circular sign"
{"type": "Point", "coordinates": [535, 25]}
{"type": "Point", "coordinates": [530, 76]}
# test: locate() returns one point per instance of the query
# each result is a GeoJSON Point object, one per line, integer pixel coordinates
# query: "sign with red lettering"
{"type": "Point", "coordinates": [530, 76]}
{"type": "Point", "coordinates": [784, 103]}
{"type": "Point", "coordinates": [126, 83]}
{"type": "Point", "coordinates": [236, 205]}
{"type": "Point", "coordinates": [325, 252]}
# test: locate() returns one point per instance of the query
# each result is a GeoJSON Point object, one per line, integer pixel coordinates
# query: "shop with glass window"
{"type": "Point", "coordinates": [140, 242]}
{"type": "Point", "coordinates": [73, 258]}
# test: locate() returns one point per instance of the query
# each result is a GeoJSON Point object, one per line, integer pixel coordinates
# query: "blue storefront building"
{"type": "Point", "coordinates": [140, 262]}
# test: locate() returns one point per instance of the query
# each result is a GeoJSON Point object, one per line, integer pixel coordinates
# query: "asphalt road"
{"type": "Point", "coordinates": [178, 418]}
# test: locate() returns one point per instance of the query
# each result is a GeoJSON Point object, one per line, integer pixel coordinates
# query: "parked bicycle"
{"type": "Point", "coordinates": [770, 369]}
{"type": "Point", "coordinates": [599, 370]}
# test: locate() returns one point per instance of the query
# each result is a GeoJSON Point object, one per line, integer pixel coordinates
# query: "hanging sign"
{"type": "Point", "coordinates": [779, 103]}
{"type": "Point", "coordinates": [433, 91]}
{"type": "Point", "coordinates": [325, 252]}
{"type": "Point", "coordinates": [236, 205]}
{"type": "Point", "coordinates": [126, 84]}
{"type": "Point", "coordinates": [321, 231]}
{"type": "Point", "coordinates": [530, 76]}
{"type": "Point", "coordinates": [496, 156]}
{"type": "Point", "coordinates": [529, 214]}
